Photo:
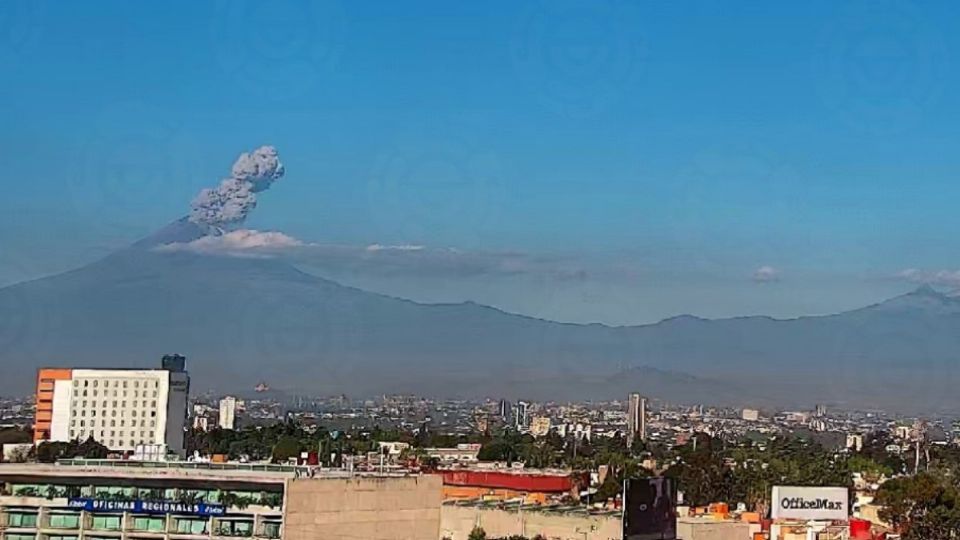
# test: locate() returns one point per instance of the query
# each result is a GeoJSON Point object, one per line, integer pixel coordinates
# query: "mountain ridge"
{"type": "Point", "coordinates": [241, 320]}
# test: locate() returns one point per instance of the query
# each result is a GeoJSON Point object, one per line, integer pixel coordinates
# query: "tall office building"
{"type": "Point", "coordinates": [522, 417]}
{"type": "Point", "coordinates": [228, 413]}
{"type": "Point", "coordinates": [504, 410]}
{"type": "Point", "coordinates": [119, 408]}
{"type": "Point", "coordinates": [636, 418]}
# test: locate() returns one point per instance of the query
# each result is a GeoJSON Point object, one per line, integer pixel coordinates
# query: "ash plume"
{"type": "Point", "coordinates": [229, 204]}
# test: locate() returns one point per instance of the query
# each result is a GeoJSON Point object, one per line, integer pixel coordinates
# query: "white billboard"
{"type": "Point", "coordinates": [810, 503]}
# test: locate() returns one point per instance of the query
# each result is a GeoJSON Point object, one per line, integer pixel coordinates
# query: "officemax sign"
{"type": "Point", "coordinates": [810, 503]}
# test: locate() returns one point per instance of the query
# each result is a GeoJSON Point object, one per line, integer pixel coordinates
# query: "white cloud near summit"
{"type": "Point", "coordinates": [239, 242]}
{"type": "Point", "coordinates": [943, 278]}
{"type": "Point", "coordinates": [766, 274]}
{"type": "Point", "coordinates": [377, 258]}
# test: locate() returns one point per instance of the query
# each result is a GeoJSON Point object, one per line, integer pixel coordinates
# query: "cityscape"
{"type": "Point", "coordinates": [426, 270]}
{"type": "Point", "coordinates": [490, 460]}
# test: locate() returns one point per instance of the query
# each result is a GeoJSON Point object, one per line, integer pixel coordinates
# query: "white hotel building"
{"type": "Point", "coordinates": [120, 408]}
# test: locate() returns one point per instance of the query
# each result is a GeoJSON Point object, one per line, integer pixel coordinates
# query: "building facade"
{"type": "Point", "coordinates": [228, 413]}
{"type": "Point", "coordinates": [125, 500]}
{"type": "Point", "coordinates": [121, 409]}
{"type": "Point", "coordinates": [522, 418]}
{"type": "Point", "coordinates": [636, 418]}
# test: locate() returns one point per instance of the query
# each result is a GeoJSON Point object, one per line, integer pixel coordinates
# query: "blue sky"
{"type": "Point", "coordinates": [666, 151]}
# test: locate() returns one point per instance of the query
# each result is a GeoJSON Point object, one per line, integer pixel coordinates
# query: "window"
{"type": "Point", "coordinates": [192, 526]}
{"type": "Point", "coordinates": [150, 524]}
{"type": "Point", "coordinates": [61, 537]}
{"type": "Point", "coordinates": [106, 522]}
{"type": "Point", "coordinates": [64, 521]}
{"type": "Point", "coordinates": [235, 528]}
{"type": "Point", "coordinates": [9, 536]}
{"type": "Point", "coordinates": [271, 529]}
{"type": "Point", "coordinates": [23, 519]}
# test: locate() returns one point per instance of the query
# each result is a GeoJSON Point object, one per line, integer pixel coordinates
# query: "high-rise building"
{"type": "Point", "coordinates": [504, 410]}
{"type": "Point", "coordinates": [522, 420]}
{"type": "Point", "coordinates": [119, 408]}
{"type": "Point", "coordinates": [228, 413]}
{"type": "Point", "coordinates": [636, 418]}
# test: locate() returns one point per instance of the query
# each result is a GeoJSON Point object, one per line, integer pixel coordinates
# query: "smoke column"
{"type": "Point", "coordinates": [231, 202]}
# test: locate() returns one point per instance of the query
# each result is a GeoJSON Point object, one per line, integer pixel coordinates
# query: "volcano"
{"type": "Point", "coordinates": [241, 320]}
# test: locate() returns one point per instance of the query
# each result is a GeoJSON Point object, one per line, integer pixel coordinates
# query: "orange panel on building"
{"type": "Point", "coordinates": [45, 384]}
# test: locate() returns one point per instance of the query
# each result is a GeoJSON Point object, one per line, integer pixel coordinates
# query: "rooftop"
{"type": "Point", "coordinates": [258, 473]}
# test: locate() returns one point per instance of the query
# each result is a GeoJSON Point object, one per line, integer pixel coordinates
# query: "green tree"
{"type": "Point", "coordinates": [921, 507]}
{"type": "Point", "coordinates": [287, 447]}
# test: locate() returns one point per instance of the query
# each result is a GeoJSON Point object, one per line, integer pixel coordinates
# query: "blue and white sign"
{"type": "Point", "coordinates": [147, 507]}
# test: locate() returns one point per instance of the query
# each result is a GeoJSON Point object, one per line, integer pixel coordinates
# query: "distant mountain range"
{"type": "Point", "coordinates": [241, 320]}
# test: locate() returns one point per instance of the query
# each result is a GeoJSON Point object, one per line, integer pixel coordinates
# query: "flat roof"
{"type": "Point", "coordinates": [166, 473]}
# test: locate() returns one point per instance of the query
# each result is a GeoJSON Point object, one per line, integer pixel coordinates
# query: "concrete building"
{"type": "Point", "coordinates": [710, 528]}
{"type": "Point", "coordinates": [636, 418]}
{"type": "Point", "coordinates": [522, 420]}
{"type": "Point", "coordinates": [504, 410]}
{"type": "Point", "coordinates": [123, 500]}
{"type": "Point", "coordinates": [750, 415]}
{"type": "Point", "coordinates": [855, 442]}
{"type": "Point", "coordinates": [119, 408]}
{"type": "Point", "coordinates": [463, 453]}
{"type": "Point", "coordinates": [501, 520]}
{"type": "Point", "coordinates": [540, 426]}
{"type": "Point", "coordinates": [228, 413]}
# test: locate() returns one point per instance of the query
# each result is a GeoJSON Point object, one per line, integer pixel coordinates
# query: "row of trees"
{"type": "Point", "coordinates": [50, 452]}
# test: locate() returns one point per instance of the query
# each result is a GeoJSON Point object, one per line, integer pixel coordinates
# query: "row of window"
{"type": "Point", "coordinates": [106, 393]}
{"type": "Point", "coordinates": [81, 405]}
{"type": "Point", "coordinates": [153, 414]}
{"type": "Point", "coordinates": [153, 524]}
{"type": "Point", "coordinates": [113, 423]}
{"type": "Point", "coordinates": [116, 383]}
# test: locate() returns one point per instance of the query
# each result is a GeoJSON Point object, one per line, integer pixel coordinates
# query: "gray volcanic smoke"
{"type": "Point", "coordinates": [231, 202]}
